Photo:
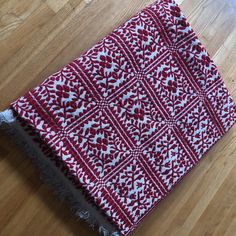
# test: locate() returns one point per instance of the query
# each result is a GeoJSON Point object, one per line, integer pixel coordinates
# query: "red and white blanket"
{"type": "Point", "coordinates": [133, 115]}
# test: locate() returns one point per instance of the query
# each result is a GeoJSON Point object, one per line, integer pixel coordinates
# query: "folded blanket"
{"type": "Point", "coordinates": [123, 123]}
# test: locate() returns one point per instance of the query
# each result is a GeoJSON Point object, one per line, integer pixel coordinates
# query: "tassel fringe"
{"type": "Point", "coordinates": [49, 173]}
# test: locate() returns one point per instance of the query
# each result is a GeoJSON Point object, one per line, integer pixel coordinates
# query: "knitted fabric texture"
{"type": "Point", "coordinates": [134, 114]}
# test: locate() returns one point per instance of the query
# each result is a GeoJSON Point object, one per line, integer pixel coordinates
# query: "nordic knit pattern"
{"type": "Point", "coordinates": [134, 114]}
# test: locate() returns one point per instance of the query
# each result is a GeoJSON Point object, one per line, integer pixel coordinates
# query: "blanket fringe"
{"type": "Point", "coordinates": [6, 116]}
{"type": "Point", "coordinates": [48, 173]}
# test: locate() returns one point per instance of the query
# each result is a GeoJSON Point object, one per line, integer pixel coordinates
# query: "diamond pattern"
{"type": "Point", "coordinates": [172, 87]}
{"type": "Point", "coordinates": [167, 158]}
{"type": "Point", "coordinates": [137, 113]}
{"type": "Point", "coordinates": [143, 39]}
{"type": "Point", "coordinates": [100, 143]}
{"type": "Point", "coordinates": [65, 97]}
{"type": "Point", "coordinates": [107, 66]}
{"type": "Point", "coordinates": [135, 190]}
{"type": "Point", "coordinates": [199, 129]}
{"type": "Point", "coordinates": [132, 115]}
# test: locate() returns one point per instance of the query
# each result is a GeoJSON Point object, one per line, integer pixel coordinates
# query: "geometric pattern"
{"type": "Point", "coordinates": [134, 114]}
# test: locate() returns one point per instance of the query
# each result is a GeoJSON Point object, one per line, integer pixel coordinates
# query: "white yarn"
{"type": "Point", "coordinates": [6, 116]}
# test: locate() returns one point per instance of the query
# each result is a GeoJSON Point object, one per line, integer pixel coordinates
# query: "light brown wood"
{"type": "Point", "coordinates": [37, 37]}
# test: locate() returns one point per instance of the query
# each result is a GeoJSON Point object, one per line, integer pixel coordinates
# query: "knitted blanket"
{"type": "Point", "coordinates": [130, 117]}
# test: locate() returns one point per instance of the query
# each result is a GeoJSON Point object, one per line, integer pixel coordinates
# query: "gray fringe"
{"type": "Point", "coordinates": [6, 117]}
{"type": "Point", "coordinates": [61, 186]}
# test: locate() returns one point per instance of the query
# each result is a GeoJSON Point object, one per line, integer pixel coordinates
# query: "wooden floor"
{"type": "Point", "coordinates": [37, 37]}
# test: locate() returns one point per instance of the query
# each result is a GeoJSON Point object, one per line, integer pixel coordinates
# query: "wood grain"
{"type": "Point", "coordinates": [37, 37]}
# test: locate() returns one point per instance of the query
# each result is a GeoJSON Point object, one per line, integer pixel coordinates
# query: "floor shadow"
{"type": "Point", "coordinates": [61, 210]}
